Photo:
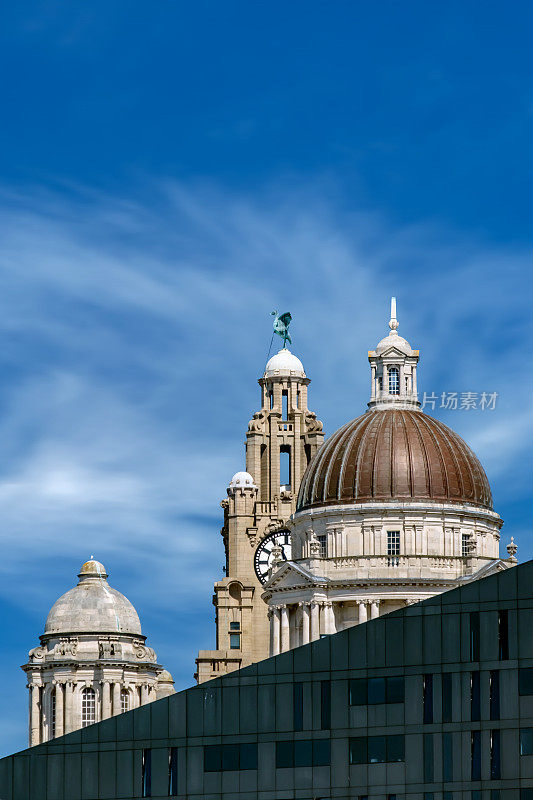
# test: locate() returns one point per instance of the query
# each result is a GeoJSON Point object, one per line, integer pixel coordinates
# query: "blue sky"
{"type": "Point", "coordinates": [171, 173]}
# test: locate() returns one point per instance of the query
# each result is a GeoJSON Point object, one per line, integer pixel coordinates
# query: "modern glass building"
{"type": "Point", "coordinates": [431, 702]}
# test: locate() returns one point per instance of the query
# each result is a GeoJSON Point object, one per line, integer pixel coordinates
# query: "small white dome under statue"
{"type": "Point", "coordinates": [92, 662]}
{"type": "Point", "coordinates": [284, 363]}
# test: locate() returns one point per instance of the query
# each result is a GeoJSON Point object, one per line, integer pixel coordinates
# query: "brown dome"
{"type": "Point", "coordinates": [394, 454]}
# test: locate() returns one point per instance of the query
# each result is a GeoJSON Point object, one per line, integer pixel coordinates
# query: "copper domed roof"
{"type": "Point", "coordinates": [394, 454]}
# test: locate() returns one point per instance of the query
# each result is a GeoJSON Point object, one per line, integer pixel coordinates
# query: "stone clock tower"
{"type": "Point", "coordinates": [281, 440]}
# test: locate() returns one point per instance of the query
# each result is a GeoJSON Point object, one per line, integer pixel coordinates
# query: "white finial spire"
{"type": "Point", "coordinates": [393, 322]}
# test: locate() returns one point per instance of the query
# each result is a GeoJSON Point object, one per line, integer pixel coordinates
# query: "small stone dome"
{"type": "Point", "coordinates": [396, 341]}
{"type": "Point", "coordinates": [284, 363]}
{"type": "Point", "coordinates": [241, 479]}
{"type": "Point", "coordinates": [394, 455]}
{"type": "Point", "coordinates": [92, 606]}
{"type": "Point", "coordinates": [165, 676]}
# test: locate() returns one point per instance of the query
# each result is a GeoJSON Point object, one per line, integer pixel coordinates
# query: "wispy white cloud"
{"type": "Point", "coordinates": [132, 336]}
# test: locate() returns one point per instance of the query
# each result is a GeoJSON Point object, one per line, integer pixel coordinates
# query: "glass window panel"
{"type": "Point", "coordinates": [495, 694]}
{"type": "Point", "coordinates": [212, 758]}
{"type": "Point", "coordinates": [303, 753]}
{"type": "Point", "coordinates": [248, 756]}
{"type": "Point", "coordinates": [377, 749]}
{"type": "Point", "coordinates": [447, 757]}
{"type": "Point", "coordinates": [428, 699]}
{"type": "Point", "coordinates": [325, 705]}
{"type": "Point", "coordinates": [234, 626]}
{"type": "Point", "coordinates": [235, 641]}
{"type": "Point", "coordinates": [359, 750]}
{"type": "Point", "coordinates": [495, 768]}
{"type": "Point", "coordinates": [395, 690]}
{"type": "Point", "coordinates": [358, 692]}
{"type": "Point", "coordinates": [474, 636]}
{"type": "Point", "coordinates": [321, 753]}
{"type": "Point", "coordinates": [447, 796]}
{"type": "Point", "coordinates": [298, 706]}
{"type": "Point", "coordinates": [376, 691]}
{"type": "Point", "coordinates": [503, 634]}
{"type": "Point", "coordinates": [284, 754]}
{"type": "Point", "coordinates": [446, 696]}
{"type": "Point", "coordinates": [475, 749]}
{"type": "Point", "coordinates": [475, 696]}
{"type": "Point", "coordinates": [172, 771]}
{"type": "Point", "coordinates": [526, 794]}
{"type": "Point", "coordinates": [526, 741]}
{"type": "Point", "coordinates": [230, 756]}
{"type": "Point", "coordinates": [395, 748]}
{"type": "Point", "coordinates": [525, 680]}
{"type": "Point", "coordinates": [146, 774]}
{"type": "Point", "coordinates": [428, 758]}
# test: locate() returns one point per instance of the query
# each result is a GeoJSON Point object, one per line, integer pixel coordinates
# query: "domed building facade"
{"type": "Point", "coordinates": [92, 661]}
{"type": "Point", "coordinates": [393, 508]}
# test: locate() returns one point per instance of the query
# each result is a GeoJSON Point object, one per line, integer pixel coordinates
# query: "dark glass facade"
{"type": "Point", "coordinates": [432, 701]}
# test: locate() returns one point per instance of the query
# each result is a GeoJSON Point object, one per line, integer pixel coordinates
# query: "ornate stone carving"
{"type": "Point", "coordinates": [37, 654]}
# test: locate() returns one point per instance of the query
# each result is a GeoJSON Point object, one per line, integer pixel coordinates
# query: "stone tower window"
{"type": "Point", "coordinates": [285, 404]}
{"type": "Point", "coordinates": [393, 547]}
{"type": "Point", "coordinates": [285, 466]}
{"type": "Point", "coordinates": [124, 700]}
{"type": "Point", "coordinates": [394, 380]}
{"type": "Point", "coordinates": [88, 707]}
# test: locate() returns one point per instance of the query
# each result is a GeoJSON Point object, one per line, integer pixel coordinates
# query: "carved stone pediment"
{"type": "Point", "coordinates": [289, 575]}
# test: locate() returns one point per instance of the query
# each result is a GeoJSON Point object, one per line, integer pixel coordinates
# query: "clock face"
{"type": "Point", "coordinates": [263, 555]}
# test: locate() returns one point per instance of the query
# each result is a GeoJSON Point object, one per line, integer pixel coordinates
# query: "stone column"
{"type": "Point", "coordinates": [315, 622]}
{"type": "Point", "coordinates": [374, 609]}
{"type": "Point", "coordinates": [270, 615]}
{"type": "Point", "coordinates": [275, 630]}
{"type": "Point", "coordinates": [414, 386]}
{"type": "Point", "coordinates": [60, 709]}
{"type": "Point", "coordinates": [362, 611]}
{"type": "Point", "coordinates": [69, 690]}
{"type": "Point", "coordinates": [145, 694]}
{"type": "Point", "coordinates": [285, 632]}
{"type": "Point", "coordinates": [385, 379]}
{"type": "Point", "coordinates": [106, 699]}
{"type": "Point", "coordinates": [116, 698]}
{"type": "Point", "coordinates": [35, 715]}
{"type": "Point", "coordinates": [329, 618]}
{"type": "Point", "coordinates": [306, 623]}
{"type": "Point", "coordinates": [373, 382]}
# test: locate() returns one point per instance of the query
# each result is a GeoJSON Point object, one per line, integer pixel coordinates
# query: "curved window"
{"type": "Point", "coordinates": [394, 380]}
{"type": "Point", "coordinates": [88, 707]}
{"type": "Point", "coordinates": [124, 700]}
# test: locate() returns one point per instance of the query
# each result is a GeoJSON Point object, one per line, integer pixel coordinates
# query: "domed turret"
{"type": "Point", "coordinates": [92, 661]}
{"type": "Point", "coordinates": [242, 480]}
{"type": "Point", "coordinates": [93, 606]}
{"type": "Point", "coordinates": [284, 364]}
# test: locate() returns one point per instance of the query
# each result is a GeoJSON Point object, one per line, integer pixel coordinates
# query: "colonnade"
{"type": "Point", "coordinates": [317, 618]}
{"type": "Point", "coordinates": [55, 706]}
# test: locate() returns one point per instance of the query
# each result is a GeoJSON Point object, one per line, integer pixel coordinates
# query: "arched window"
{"type": "Point", "coordinates": [88, 707]}
{"type": "Point", "coordinates": [124, 700]}
{"type": "Point", "coordinates": [394, 380]}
